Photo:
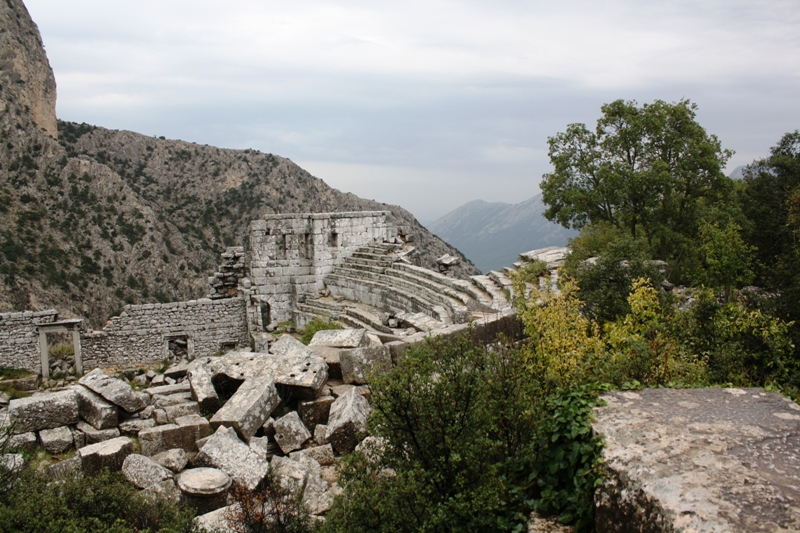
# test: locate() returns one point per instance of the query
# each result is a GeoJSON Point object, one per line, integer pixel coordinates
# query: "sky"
{"type": "Point", "coordinates": [426, 104]}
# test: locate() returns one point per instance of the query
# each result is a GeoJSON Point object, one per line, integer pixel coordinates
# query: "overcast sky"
{"type": "Point", "coordinates": [427, 104]}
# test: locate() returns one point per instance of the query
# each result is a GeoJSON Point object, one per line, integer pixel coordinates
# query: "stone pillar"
{"type": "Point", "coordinates": [76, 345]}
{"type": "Point", "coordinates": [45, 357]}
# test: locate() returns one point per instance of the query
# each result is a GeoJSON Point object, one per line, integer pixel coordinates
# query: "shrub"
{"type": "Point", "coordinates": [317, 325]}
{"type": "Point", "coordinates": [272, 507]}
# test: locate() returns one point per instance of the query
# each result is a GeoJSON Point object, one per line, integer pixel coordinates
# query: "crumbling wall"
{"type": "Point", "coordinates": [19, 338]}
{"type": "Point", "coordinates": [142, 333]}
{"type": "Point", "coordinates": [290, 255]}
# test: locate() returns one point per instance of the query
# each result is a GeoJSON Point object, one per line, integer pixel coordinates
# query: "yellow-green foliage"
{"type": "Point", "coordinates": [564, 344]}
{"type": "Point", "coordinates": [61, 351]}
{"type": "Point", "coordinates": [641, 346]}
{"type": "Point", "coordinates": [317, 325]}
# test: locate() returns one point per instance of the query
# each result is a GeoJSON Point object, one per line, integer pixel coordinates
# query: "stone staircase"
{"type": "Point", "coordinates": [376, 287]}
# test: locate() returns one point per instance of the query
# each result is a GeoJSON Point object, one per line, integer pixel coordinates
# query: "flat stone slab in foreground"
{"type": "Point", "coordinates": [700, 460]}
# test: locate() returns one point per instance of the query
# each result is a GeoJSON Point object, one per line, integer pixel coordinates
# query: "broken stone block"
{"type": "Point", "coordinates": [167, 390]}
{"type": "Point", "coordinates": [339, 390]}
{"type": "Point", "coordinates": [157, 380]}
{"type": "Point", "coordinates": [206, 489]}
{"type": "Point", "coordinates": [43, 411]}
{"type": "Point", "coordinates": [321, 454]}
{"type": "Point", "coordinates": [164, 490]}
{"type": "Point", "coordinates": [197, 424]}
{"type": "Point", "coordinates": [57, 440]}
{"type": "Point", "coordinates": [162, 438]}
{"type": "Point", "coordinates": [4, 399]}
{"type": "Point", "coordinates": [23, 442]}
{"type": "Point", "coordinates": [225, 451]}
{"type": "Point", "coordinates": [249, 407]}
{"type": "Point", "coordinates": [348, 418]}
{"type": "Point", "coordinates": [12, 462]}
{"type": "Point", "coordinates": [219, 520]}
{"type": "Point", "coordinates": [93, 436]}
{"type": "Point", "coordinates": [177, 371]}
{"type": "Point", "coordinates": [107, 454]}
{"type": "Point", "coordinates": [290, 432]}
{"type": "Point", "coordinates": [304, 475]}
{"type": "Point", "coordinates": [269, 427]}
{"type": "Point", "coordinates": [331, 357]}
{"type": "Point", "coordinates": [340, 338]}
{"type": "Point", "coordinates": [182, 409]}
{"type": "Point", "coordinates": [319, 434]}
{"type": "Point", "coordinates": [133, 426]}
{"type": "Point", "coordinates": [78, 438]}
{"type": "Point", "coordinates": [114, 390]}
{"type": "Point", "coordinates": [174, 459]}
{"type": "Point", "coordinates": [66, 469]}
{"type": "Point", "coordinates": [94, 409]}
{"type": "Point", "coordinates": [315, 411]}
{"type": "Point", "coordinates": [143, 471]}
{"type": "Point", "coordinates": [140, 380]}
{"type": "Point", "coordinates": [161, 401]}
{"type": "Point", "coordinates": [146, 413]}
{"type": "Point", "coordinates": [357, 364]}
{"type": "Point", "coordinates": [260, 445]}
{"type": "Point", "coordinates": [160, 416]}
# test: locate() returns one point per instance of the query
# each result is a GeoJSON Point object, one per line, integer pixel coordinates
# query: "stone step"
{"type": "Point", "coordinates": [419, 321]}
{"type": "Point", "coordinates": [498, 297]}
{"type": "Point", "coordinates": [377, 258]}
{"type": "Point", "coordinates": [373, 320]}
{"type": "Point", "coordinates": [379, 295]}
{"type": "Point", "coordinates": [454, 307]}
{"type": "Point", "coordinates": [503, 281]}
{"type": "Point", "coordinates": [368, 266]}
{"type": "Point", "coordinates": [433, 285]}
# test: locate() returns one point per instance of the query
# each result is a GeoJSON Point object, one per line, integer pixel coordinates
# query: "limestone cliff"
{"type": "Point", "coordinates": [101, 218]}
{"type": "Point", "coordinates": [28, 84]}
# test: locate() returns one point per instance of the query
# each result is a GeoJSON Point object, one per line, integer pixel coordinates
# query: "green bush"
{"type": "Point", "coordinates": [104, 503]}
{"type": "Point", "coordinates": [317, 325]}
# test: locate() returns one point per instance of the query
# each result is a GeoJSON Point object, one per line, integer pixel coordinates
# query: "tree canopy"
{"type": "Point", "coordinates": [651, 170]}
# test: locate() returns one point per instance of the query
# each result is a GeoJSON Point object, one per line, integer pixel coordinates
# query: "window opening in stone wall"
{"type": "Point", "coordinates": [333, 240]}
{"type": "Point", "coordinates": [178, 348]}
{"type": "Point", "coordinates": [61, 354]}
{"type": "Point", "coordinates": [225, 347]}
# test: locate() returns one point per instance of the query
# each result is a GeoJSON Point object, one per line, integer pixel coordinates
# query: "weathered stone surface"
{"type": "Point", "coordinates": [12, 461]}
{"type": "Point", "coordinates": [321, 454]}
{"type": "Point", "coordinates": [133, 426]}
{"type": "Point", "coordinates": [162, 438]}
{"type": "Point", "coordinates": [160, 416]}
{"type": "Point", "coordinates": [166, 390]}
{"type": "Point", "coordinates": [181, 409]}
{"type": "Point", "coordinates": [197, 424]}
{"type": "Point", "coordinates": [298, 372]}
{"type": "Point", "coordinates": [143, 471]}
{"type": "Point", "coordinates": [56, 440]}
{"type": "Point", "coordinates": [94, 409]}
{"type": "Point", "coordinates": [331, 357]}
{"type": "Point", "coordinates": [114, 390]}
{"type": "Point", "coordinates": [164, 490]}
{"type": "Point", "coordinates": [340, 338]}
{"type": "Point", "coordinates": [161, 401]}
{"type": "Point", "coordinates": [315, 411]}
{"type": "Point", "coordinates": [304, 474]}
{"type": "Point", "coordinates": [43, 411]}
{"type": "Point", "coordinates": [260, 446]}
{"type": "Point", "coordinates": [348, 418]}
{"type": "Point", "coordinates": [219, 520]}
{"type": "Point", "coordinates": [699, 460]}
{"type": "Point", "coordinates": [319, 434]}
{"type": "Point", "coordinates": [204, 481]}
{"type": "Point", "coordinates": [107, 454]}
{"type": "Point", "coordinates": [93, 436]}
{"type": "Point", "coordinates": [225, 451]}
{"type": "Point", "coordinates": [66, 469]}
{"type": "Point", "coordinates": [358, 364]}
{"type": "Point", "coordinates": [174, 459]}
{"type": "Point", "coordinates": [290, 432]}
{"type": "Point", "coordinates": [539, 524]}
{"type": "Point", "coordinates": [23, 442]}
{"type": "Point", "coordinates": [248, 409]}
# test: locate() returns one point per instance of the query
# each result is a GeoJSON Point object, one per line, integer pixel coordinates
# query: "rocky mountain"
{"type": "Point", "coordinates": [492, 234]}
{"type": "Point", "coordinates": [91, 219]}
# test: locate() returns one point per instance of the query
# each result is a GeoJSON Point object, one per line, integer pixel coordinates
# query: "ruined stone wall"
{"type": "Point", "coordinates": [19, 338]}
{"type": "Point", "coordinates": [290, 255]}
{"type": "Point", "coordinates": [141, 334]}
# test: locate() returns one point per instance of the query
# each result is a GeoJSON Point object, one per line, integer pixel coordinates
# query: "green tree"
{"type": "Point", "coordinates": [726, 259]}
{"type": "Point", "coordinates": [651, 170]}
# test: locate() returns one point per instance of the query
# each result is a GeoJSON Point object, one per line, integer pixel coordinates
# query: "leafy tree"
{"type": "Point", "coordinates": [651, 170]}
{"type": "Point", "coordinates": [726, 259]}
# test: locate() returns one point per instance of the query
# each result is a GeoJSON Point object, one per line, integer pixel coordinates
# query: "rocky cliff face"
{"type": "Point", "coordinates": [102, 218]}
{"type": "Point", "coordinates": [26, 77]}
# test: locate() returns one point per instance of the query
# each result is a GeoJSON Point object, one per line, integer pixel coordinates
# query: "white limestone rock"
{"type": "Point", "coordinates": [66, 469]}
{"type": "Point", "coordinates": [57, 440]}
{"type": "Point", "coordinates": [23, 442]}
{"type": "Point", "coordinates": [181, 409]}
{"type": "Point", "coordinates": [114, 390]}
{"type": "Point", "coordinates": [93, 436]}
{"type": "Point", "coordinates": [225, 451]}
{"type": "Point", "coordinates": [321, 454]}
{"type": "Point", "coordinates": [290, 432]}
{"type": "Point", "coordinates": [340, 338]}
{"type": "Point", "coordinates": [260, 446]}
{"type": "Point", "coordinates": [107, 454]}
{"type": "Point", "coordinates": [174, 459]}
{"type": "Point", "coordinates": [143, 471]}
{"type": "Point", "coordinates": [133, 426]}
{"type": "Point", "coordinates": [358, 364]}
{"type": "Point", "coordinates": [162, 438]}
{"type": "Point", "coordinates": [95, 410]}
{"type": "Point", "coordinates": [43, 411]}
{"type": "Point", "coordinates": [248, 409]}
{"type": "Point", "coordinates": [315, 411]}
{"type": "Point", "coordinates": [348, 418]}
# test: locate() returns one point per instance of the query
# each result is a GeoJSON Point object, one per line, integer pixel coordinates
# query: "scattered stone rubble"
{"type": "Point", "coordinates": [274, 410]}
